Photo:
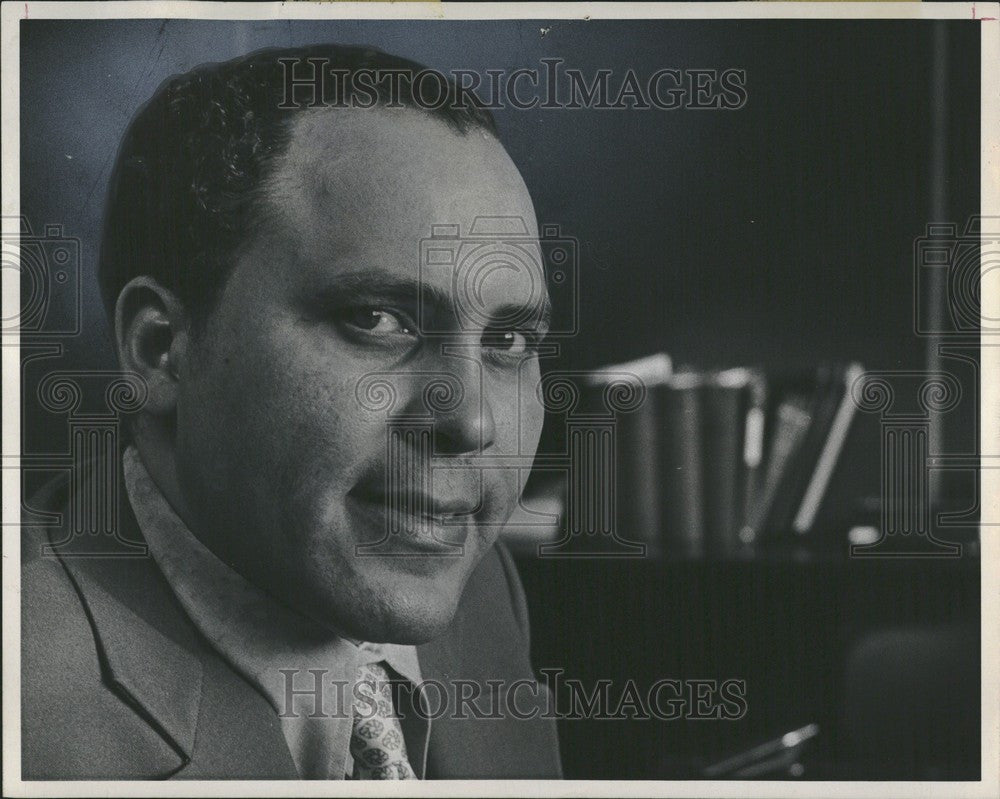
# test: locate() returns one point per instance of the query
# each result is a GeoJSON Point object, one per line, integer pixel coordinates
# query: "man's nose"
{"type": "Point", "coordinates": [466, 426]}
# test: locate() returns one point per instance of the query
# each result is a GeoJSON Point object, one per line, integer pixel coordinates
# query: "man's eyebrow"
{"type": "Point", "coordinates": [382, 285]}
{"type": "Point", "coordinates": [377, 284]}
{"type": "Point", "coordinates": [541, 320]}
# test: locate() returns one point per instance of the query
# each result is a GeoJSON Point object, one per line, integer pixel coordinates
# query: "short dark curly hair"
{"type": "Point", "coordinates": [187, 181]}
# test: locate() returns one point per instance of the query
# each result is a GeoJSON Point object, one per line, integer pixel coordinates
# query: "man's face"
{"type": "Point", "coordinates": [284, 409]}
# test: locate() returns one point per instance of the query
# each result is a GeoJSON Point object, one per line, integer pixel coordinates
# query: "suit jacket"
{"type": "Point", "coordinates": [117, 683]}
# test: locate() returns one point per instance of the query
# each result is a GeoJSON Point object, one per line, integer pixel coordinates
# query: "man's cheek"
{"type": "Point", "coordinates": [530, 410]}
{"type": "Point", "coordinates": [504, 493]}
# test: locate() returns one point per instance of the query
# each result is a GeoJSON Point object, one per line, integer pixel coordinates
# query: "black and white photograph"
{"type": "Point", "coordinates": [524, 399]}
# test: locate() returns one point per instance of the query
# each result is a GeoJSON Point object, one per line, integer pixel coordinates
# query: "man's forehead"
{"type": "Point", "coordinates": [372, 189]}
{"type": "Point", "coordinates": [391, 165]}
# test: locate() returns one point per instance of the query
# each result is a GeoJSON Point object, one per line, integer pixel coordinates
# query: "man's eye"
{"type": "Point", "coordinates": [509, 342]}
{"type": "Point", "coordinates": [377, 320]}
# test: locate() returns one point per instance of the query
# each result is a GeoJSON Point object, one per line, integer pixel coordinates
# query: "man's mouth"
{"type": "Point", "coordinates": [416, 521]}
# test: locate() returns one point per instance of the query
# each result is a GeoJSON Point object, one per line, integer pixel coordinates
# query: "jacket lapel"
{"type": "Point", "coordinates": [153, 657]}
{"type": "Point", "coordinates": [156, 674]}
{"type": "Point", "coordinates": [484, 643]}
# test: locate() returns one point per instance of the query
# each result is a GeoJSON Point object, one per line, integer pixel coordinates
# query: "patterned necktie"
{"type": "Point", "coordinates": [377, 744]}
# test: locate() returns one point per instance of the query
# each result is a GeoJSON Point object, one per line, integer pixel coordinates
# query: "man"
{"type": "Point", "coordinates": [332, 438]}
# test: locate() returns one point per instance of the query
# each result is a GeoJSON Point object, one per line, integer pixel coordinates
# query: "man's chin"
{"type": "Point", "coordinates": [409, 631]}
{"type": "Point", "coordinates": [392, 615]}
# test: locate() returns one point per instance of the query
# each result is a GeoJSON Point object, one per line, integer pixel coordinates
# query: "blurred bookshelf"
{"type": "Point", "coordinates": [647, 461]}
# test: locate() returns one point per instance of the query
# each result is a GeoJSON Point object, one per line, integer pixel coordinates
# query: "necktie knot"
{"type": "Point", "coordinates": [377, 743]}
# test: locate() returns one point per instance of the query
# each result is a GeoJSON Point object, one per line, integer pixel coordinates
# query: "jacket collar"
{"type": "Point", "coordinates": [148, 649]}
{"type": "Point", "coordinates": [154, 658]}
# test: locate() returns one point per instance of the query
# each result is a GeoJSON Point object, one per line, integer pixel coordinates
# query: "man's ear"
{"type": "Point", "coordinates": [151, 333]}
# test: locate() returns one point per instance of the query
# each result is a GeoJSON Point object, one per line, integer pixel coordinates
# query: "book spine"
{"type": "Point", "coordinates": [836, 435]}
{"type": "Point", "coordinates": [723, 418]}
{"type": "Point", "coordinates": [792, 419]}
{"type": "Point", "coordinates": [637, 477]}
{"type": "Point", "coordinates": [679, 414]}
{"type": "Point", "coordinates": [754, 433]}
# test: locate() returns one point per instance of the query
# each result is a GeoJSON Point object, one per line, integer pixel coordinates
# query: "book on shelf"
{"type": "Point", "coordinates": [753, 446]}
{"type": "Point", "coordinates": [635, 477]}
{"type": "Point", "coordinates": [679, 449]}
{"type": "Point", "coordinates": [829, 453]}
{"type": "Point", "coordinates": [809, 450]}
{"type": "Point", "coordinates": [727, 399]}
{"type": "Point", "coordinates": [713, 461]}
{"type": "Point", "coordinates": [790, 424]}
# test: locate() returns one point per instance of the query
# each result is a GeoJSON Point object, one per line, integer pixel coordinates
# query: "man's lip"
{"type": "Point", "coordinates": [441, 533]}
{"type": "Point", "coordinates": [440, 509]}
